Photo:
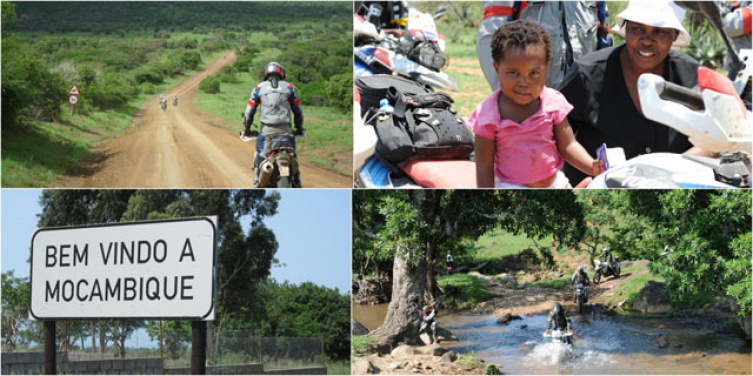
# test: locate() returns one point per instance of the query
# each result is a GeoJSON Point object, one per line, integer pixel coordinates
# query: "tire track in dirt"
{"type": "Point", "coordinates": [182, 147]}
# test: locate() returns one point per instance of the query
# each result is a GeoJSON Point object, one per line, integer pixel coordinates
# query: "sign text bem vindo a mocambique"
{"type": "Point", "coordinates": [160, 269]}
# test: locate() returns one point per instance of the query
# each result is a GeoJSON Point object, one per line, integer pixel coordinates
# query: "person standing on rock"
{"type": "Point", "coordinates": [277, 99]}
{"type": "Point", "coordinates": [428, 325]}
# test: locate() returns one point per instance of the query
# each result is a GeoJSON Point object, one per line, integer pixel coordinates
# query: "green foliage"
{"type": "Point", "coordinates": [551, 284]}
{"type": "Point", "coordinates": [9, 18]}
{"type": "Point", "coordinates": [176, 336]}
{"type": "Point", "coordinates": [15, 307]}
{"type": "Point", "coordinates": [340, 92]}
{"type": "Point", "coordinates": [706, 46]}
{"type": "Point", "coordinates": [361, 343]}
{"type": "Point", "coordinates": [29, 89]}
{"type": "Point", "coordinates": [737, 273]}
{"type": "Point", "coordinates": [308, 310]}
{"type": "Point", "coordinates": [210, 84]}
{"type": "Point", "coordinates": [471, 290]}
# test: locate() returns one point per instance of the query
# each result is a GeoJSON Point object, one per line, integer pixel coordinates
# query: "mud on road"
{"type": "Point", "coordinates": [181, 148]}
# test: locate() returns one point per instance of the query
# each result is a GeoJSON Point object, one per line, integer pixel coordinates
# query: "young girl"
{"type": "Point", "coordinates": [522, 133]}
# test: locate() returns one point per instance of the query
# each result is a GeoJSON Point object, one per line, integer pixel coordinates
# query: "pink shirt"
{"type": "Point", "coordinates": [527, 152]}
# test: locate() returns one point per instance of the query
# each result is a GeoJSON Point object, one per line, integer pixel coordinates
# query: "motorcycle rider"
{"type": "Point", "coordinates": [277, 99]}
{"type": "Point", "coordinates": [580, 276]}
{"type": "Point", "coordinates": [427, 323]}
{"type": "Point", "coordinates": [606, 256]}
{"type": "Point", "coordinates": [175, 99]}
{"type": "Point", "coordinates": [559, 320]}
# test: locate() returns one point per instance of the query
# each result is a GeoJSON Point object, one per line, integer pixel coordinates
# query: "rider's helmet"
{"type": "Point", "coordinates": [606, 249]}
{"type": "Point", "coordinates": [580, 268]}
{"type": "Point", "coordinates": [274, 68]}
{"type": "Point", "coordinates": [557, 308]}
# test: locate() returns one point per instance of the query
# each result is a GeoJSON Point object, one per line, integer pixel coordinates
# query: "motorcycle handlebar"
{"type": "Point", "coordinates": [676, 93]}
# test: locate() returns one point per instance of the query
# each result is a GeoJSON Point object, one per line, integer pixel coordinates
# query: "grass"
{"type": "Point", "coordinates": [360, 343]}
{"type": "Point", "coordinates": [340, 367]}
{"type": "Point", "coordinates": [497, 244]}
{"type": "Point", "coordinates": [551, 284]}
{"type": "Point", "coordinates": [629, 290]}
{"type": "Point", "coordinates": [472, 290]}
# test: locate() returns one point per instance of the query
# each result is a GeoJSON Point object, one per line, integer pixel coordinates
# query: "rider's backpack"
{"type": "Point", "coordinates": [422, 126]}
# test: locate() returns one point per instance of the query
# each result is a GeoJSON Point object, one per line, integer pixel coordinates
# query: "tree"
{"type": "Point", "coordinates": [414, 226]}
{"type": "Point", "coordinates": [15, 304]}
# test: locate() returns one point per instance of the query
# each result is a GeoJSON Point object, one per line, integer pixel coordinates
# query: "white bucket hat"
{"type": "Point", "coordinates": [656, 13]}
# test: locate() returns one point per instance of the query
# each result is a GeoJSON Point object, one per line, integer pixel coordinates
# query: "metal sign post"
{"type": "Point", "coordinates": [73, 93]}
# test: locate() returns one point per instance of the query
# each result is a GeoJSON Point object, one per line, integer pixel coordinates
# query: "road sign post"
{"type": "Point", "coordinates": [73, 93]}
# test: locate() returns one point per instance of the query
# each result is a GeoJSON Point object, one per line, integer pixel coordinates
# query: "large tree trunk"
{"type": "Point", "coordinates": [404, 313]}
{"type": "Point", "coordinates": [432, 288]}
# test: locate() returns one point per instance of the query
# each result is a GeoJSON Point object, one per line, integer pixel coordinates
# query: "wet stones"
{"type": "Point", "coordinates": [506, 318]}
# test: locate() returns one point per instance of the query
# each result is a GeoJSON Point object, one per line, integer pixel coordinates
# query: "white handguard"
{"type": "Point", "coordinates": [724, 125]}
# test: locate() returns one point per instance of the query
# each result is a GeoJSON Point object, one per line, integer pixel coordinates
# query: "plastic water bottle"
{"type": "Point", "coordinates": [385, 106]}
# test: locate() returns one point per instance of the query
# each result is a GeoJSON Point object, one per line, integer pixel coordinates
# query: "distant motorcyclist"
{"type": "Point", "coordinates": [558, 320]}
{"type": "Point", "coordinates": [277, 99]}
{"type": "Point", "coordinates": [606, 256]}
{"type": "Point", "coordinates": [580, 276]}
{"type": "Point", "coordinates": [175, 99]}
{"type": "Point", "coordinates": [427, 323]}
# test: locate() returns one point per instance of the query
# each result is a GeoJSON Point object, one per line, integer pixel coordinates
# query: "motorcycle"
{"type": "Point", "coordinates": [714, 118]}
{"type": "Point", "coordinates": [581, 296]}
{"type": "Point", "coordinates": [163, 104]}
{"type": "Point", "coordinates": [604, 269]}
{"type": "Point", "coordinates": [376, 52]}
{"type": "Point", "coordinates": [279, 167]}
{"type": "Point", "coordinates": [175, 102]}
{"type": "Point", "coordinates": [417, 53]}
{"type": "Point", "coordinates": [558, 336]}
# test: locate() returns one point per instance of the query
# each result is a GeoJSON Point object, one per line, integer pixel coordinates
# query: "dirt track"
{"type": "Point", "coordinates": [181, 148]}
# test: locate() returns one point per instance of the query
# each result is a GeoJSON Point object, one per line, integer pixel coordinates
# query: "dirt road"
{"type": "Point", "coordinates": [181, 148]}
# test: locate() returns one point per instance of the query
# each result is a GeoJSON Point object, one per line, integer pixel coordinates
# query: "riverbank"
{"type": "Point", "coordinates": [529, 295]}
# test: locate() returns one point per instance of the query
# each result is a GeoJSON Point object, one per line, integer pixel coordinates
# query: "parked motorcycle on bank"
{"type": "Point", "coordinates": [581, 296]}
{"type": "Point", "coordinates": [279, 168]}
{"type": "Point", "coordinates": [606, 270]}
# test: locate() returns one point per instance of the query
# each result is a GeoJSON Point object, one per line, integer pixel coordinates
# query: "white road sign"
{"type": "Point", "coordinates": [73, 99]}
{"type": "Point", "coordinates": [158, 269]}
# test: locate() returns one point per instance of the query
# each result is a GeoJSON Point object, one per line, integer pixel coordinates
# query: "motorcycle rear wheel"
{"type": "Point", "coordinates": [597, 277]}
{"type": "Point", "coordinates": [283, 182]}
{"type": "Point", "coordinates": [617, 273]}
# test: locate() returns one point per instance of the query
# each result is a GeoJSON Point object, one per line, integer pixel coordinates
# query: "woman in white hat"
{"type": "Point", "coordinates": [602, 86]}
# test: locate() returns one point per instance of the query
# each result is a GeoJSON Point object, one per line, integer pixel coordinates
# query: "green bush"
{"type": "Point", "coordinates": [340, 91]}
{"type": "Point", "coordinates": [210, 85]}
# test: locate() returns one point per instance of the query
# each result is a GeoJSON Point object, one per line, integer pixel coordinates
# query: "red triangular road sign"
{"type": "Point", "coordinates": [74, 90]}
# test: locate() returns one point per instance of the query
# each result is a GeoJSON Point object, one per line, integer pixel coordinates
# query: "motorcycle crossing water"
{"type": "Point", "coordinates": [601, 345]}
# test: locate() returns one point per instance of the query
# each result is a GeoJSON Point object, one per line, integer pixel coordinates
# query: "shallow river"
{"type": "Point", "coordinates": [602, 345]}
